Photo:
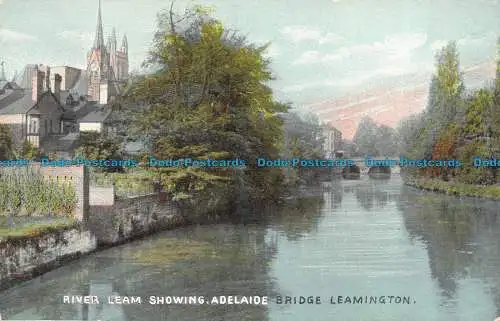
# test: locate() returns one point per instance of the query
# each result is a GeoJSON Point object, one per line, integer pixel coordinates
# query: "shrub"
{"type": "Point", "coordinates": [25, 191]}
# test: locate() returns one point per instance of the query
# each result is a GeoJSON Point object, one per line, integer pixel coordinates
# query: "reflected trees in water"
{"type": "Point", "coordinates": [230, 260]}
{"type": "Point", "coordinates": [459, 235]}
{"type": "Point", "coordinates": [299, 217]}
{"type": "Point", "coordinates": [374, 195]}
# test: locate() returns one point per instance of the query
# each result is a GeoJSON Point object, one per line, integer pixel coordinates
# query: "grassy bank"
{"type": "Point", "coordinates": [455, 188]}
{"type": "Point", "coordinates": [33, 227]}
{"type": "Point", "coordinates": [133, 182]}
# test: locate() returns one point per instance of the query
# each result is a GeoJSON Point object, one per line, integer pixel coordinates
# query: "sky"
{"type": "Point", "coordinates": [321, 51]}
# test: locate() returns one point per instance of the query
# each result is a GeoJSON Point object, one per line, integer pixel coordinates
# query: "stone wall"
{"type": "Point", "coordinates": [25, 258]}
{"type": "Point", "coordinates": [134, 217]}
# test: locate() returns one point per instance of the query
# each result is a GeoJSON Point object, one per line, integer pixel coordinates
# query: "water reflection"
{"type": "Point", "coordinates": [299, 216]}
{"type": "Point", "coordinates": [372, 194]}
{"type": "Point", "coordinates": [235, 262]}
{"type": "Point", "coordinates": [441, 251]}
{"type": "Point", "coordinates": [462, 238]}
{"type": "Point", "coordinates": [333, 198]}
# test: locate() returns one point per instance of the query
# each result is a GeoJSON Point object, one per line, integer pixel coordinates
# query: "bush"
{"type": "Point", "coordinates": [25, 191]}
{"type": "Point", "coordinates": [470, 174]}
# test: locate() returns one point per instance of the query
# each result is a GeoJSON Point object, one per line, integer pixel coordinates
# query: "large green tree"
{"type": "Point", "coordinates": [5, 142]}
{"type": "Point", "coordinates": [365, 137]}
{"type": "Point", "coordinates": [97, 146]}
{"type": "Point", "coordinates": [208, 99]}
{"type": "Point", "coordinates": [449, 85]}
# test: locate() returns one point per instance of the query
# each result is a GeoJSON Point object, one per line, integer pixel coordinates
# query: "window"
{"type": "Point", "coordinates": [50, 129]}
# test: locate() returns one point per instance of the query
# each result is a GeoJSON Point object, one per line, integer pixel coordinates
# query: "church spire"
{"type": "Point", "coordinates": [113, 37]}
{"type": "Point", "coordinates": [99, 36]}
{"type": "Point", "coordinates": [124, 44]}
{"type": "Point", "coordinates": [2, 71]}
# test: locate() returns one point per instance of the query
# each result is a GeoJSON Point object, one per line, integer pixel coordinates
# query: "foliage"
{"type": "Point", "coordinates": [386, 143]}
{"type": "Point", "coordinates": [132, 182]}
{"type": "Point", "coordinates": [29, 151]}
{"type": "Point", "coordinates": [5, 142]}
{"type": "Point", "coordinates": [470, 174]}
{"type": "Point", "coordinates": [456, 188]}
{"type": "Point", "coordinates": [304, 135]}
{"type": "Point", "coordinates": [208, 99]}
{"type": "Point", "coordinates": [454, 126]}
{"type": "Point", "coordinates": [95, 146]}
{"type": "Point", "coordinates": [407, 131]}
{"type": "Point", "coordinates": [28, 231]}
{"type": "Point", "coordinates": [25, 191]}
{"type": "Point", "coordinates": [374, 140]}
{"type": "Point", "coordinates": [304, 138]}
{"type": "Point", "coordinates": [449, 84]}
{"type": "Point", "coordinates": [366, 137]}
{"type": "Point", "coordinates": [444, 149]}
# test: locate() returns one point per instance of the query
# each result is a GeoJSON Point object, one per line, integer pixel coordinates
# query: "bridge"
{"type": "Point", "coordinates": [379, 161]}
{"type": "Point", "coordinates": [365, 166]}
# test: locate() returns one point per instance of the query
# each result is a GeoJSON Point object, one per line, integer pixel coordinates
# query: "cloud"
{"type": "Point", "coordinates": [393, 47]}
{"type": "Point", "coordinates": [303, 33]}
{"type": "Point", "coordinates": [437, 45]}
{"type": "Point", "coordinates": [7, 35]}
{"type": "Point", "coordinates": [78, 36]}
{"type": "Point", "coordinates": [474, 41]}
{"type": "Point", "coordinates": [488, 38]}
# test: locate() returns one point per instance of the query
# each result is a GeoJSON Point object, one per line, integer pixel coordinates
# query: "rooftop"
{"type": "Point", "coordinates": [16, 101]}
{"type": "Point", "coordinates": [60, 143]}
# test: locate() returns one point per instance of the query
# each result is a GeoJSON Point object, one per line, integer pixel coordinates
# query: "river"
{"type": "Point", "coordinates": [355, 238]}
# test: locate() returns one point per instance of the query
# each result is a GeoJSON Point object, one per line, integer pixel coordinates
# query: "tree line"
{"type": "Point", "coordinates": [456, 123]}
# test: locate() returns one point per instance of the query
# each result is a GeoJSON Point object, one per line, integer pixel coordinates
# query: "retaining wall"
{"type": "Point", "coordinates": [23, 258]}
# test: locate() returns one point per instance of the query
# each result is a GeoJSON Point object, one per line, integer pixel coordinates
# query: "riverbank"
{"type": "Point", "coordinates": [454, 188]}
{"type": "Point", "coordinates": [29, 254]}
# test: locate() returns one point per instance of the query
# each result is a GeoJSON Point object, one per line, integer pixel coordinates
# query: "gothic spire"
{"type": "Point", "coordinates": [2, 71]}
{"type": "Point", "coordinates": [113, 37]}
{"type": "Point", "coordinates": [99, 36]}
{"type": "Point", "coordinates": [125, 44]}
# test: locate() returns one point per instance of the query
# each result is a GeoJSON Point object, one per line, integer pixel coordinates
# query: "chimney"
{"type": "Point", "coordinates": [46, 78]}
{"type": "Point", "coordinates": [37, 85]}
{"type": "Point", "coordinates": [57, 86]}
{"type": "Point", "coordinates": [103, 95]}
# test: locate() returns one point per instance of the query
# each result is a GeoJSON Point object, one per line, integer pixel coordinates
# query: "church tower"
{"type": "Point", "coordinates": [107, 65]}
{"type": "Point", "coordinates": [123, 67]}
{"type": "Point", "coordinates": [97, 61]}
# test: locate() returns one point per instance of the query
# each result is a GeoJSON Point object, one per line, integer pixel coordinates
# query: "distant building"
{"type": "Point", "coordinates": [33, 113]}
{"type": "Point", "coordinates": [333, 140]}
{"type": "Point", "coordinates": [107, 66]}
{"type": "Point", "coordinates": [2, 71]}
{"type": "Point", "coordinates": [70, 76]}
{"type": "Point", "coordinates": [49, 106]}
{"type": "Point", "coordinates": [96, 120]}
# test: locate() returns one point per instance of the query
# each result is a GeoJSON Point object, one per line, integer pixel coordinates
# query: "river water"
{"type": "Point", "coordinates": [356, 238]}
